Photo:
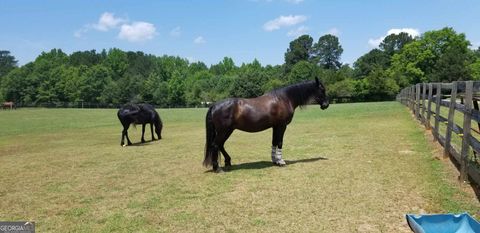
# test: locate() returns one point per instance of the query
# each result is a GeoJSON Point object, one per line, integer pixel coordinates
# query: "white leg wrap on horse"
{"type": "Point", "coordinates": [277, 158]}
{"type": "Point", "coordinates": [274, 153]}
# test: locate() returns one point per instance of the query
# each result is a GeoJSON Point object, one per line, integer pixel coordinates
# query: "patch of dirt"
{"type": "Point", "coordinates": [406, 152]}
{"type": "Point", "coordinates": [367, 228]}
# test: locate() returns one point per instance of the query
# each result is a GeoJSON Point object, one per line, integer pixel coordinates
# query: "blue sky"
{"type": "Point", "coordinates": [210, 30]}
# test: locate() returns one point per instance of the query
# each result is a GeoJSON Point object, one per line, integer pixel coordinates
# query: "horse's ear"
{"type": "Point", "coordinates": [317, 82]}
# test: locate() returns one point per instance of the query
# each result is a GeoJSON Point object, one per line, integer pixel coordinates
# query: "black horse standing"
{"type": "Point", "coordinates": [139, 114]}
{"type": "Point", "coordinates": [272, 110]}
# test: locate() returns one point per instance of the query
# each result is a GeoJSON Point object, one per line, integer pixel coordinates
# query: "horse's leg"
{"type": "Point", "coordinates": [125, 134]}
{"type": "Point", "coordinates": [218, 142]}
{"type": "Point", "coordinates": [274, 143]}
{"type": "Point", "coordinates": [215, 166]}
{"type": "Point", "coordinates": [143, 132]}
{"type": "Point", "coordinates": [123, 137]}
{"type": "Point", "coordinates": [278, 140]}
{"type": "Point", "coordinates": [228, 160]}
{"type": "Point", "coordinates": [151, 131]}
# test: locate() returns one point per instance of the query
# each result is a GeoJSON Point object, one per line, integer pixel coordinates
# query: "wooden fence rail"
{"type": "Point", "coordinates": [456, 98]}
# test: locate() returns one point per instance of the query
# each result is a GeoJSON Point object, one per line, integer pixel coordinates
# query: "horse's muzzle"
{"type": "Point", "coordinates": [324, 106]}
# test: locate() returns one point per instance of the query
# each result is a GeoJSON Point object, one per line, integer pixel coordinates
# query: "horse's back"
{"type": "Point", "coordinates": [252, 114]}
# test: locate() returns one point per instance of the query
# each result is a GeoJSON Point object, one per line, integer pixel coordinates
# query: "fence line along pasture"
{"type": "Point", "coordinates": [440, 106]}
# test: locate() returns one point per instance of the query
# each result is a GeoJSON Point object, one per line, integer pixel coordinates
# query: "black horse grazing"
{"type": "Point", "coordinates": [139, 114]}
{"type": "Point", "coordinates": [272, 110]}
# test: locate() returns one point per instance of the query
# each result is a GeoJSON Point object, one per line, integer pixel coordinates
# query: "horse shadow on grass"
{"type": "Point", "coordinates": [267, 164]}
{"type": "Point", "coordinates": [146, 143]}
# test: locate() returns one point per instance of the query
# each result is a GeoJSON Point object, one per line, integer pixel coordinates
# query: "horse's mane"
{"type": "Point", "coordinates": [300, 93]}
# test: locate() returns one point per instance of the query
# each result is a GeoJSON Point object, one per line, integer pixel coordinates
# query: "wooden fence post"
{"type": "Point", "coordinates": [429, 108]}
{"type": "Point", "coordinates": [451, 120]}
{"type": "Point", "coordinates": [467, 121]}
{"type": "Point", "coordinates": [424, 95]}
{"type": "Point", "coordinates": [417, 101]}
{"type": "Point", "coordinates": [437, 110]}
{"type": "Point", "coordinates": [412, 99]}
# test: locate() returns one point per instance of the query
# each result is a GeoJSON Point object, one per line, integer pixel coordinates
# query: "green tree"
{"type": "Point", "coordinates": [111, 94]}
{"type": "Point", "coordinates": [117, 62]}
{"type": "Point", "coordinates": [71, 83]}
{"type": "Point", "coordinates": [380, 86]}
{"type": "Point", "coordinates": [475, 70]}
{"type": "Point", "coordinates": [300, 49]}
{"type": "Point", "coordinates": [344, 90]}
{"type": "Point", "coordinates": [452, 65]}
{"type": "Point", "coordinates": [196, 67]}
{"type": "Point", "coordinates": [7, 63]}
{"type": "Point", "coordinates": [16, 86]}
{"type": "Point", "coordinates": [393, 43]}
{"type": "Point", "coordinates": [200, 88]}
{"type": "Point", "coordinates": [87, 58]}
{"type": "Point", "coordinates": [302, 71]}
{"type": "Point", "coordinates": [327, 52]}
{"type": "Point", "coordinates": [46, 76]}
{"type": "Point", "coordinates": [166, 66]}
{"type": "Point", "coordinates": [176, 91]}
{"type": "Point", "coordinates": [226, 66]}
{"type": "Point", "coordinates": [149, 87]}
{"type": "Point", "coordinates": [417, 61]}
{"type": "Point", "coordinates": [370, 61]}
{"type": "Point", "coordinates": [476, 53]}
{"type": "Point", "coordinates": [95, 81]}
{"type": "Point", "coordinates": [139, 64]}
{"type": "Point", "coordinates": [250, 81]}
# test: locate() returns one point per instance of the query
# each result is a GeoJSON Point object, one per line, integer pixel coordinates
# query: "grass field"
{"type": "Point", "coordinates": [351, 168]}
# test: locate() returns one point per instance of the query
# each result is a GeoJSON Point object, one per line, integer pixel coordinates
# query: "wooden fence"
{"type": "Point", "coordinates": [440, 106]}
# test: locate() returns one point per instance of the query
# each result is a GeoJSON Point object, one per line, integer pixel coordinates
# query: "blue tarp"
{"type": "Point", "coordinates": [443, 223]}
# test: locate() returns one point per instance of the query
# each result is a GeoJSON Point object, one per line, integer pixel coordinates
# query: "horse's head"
{"type": "Point", "coordinates": [320, 95]}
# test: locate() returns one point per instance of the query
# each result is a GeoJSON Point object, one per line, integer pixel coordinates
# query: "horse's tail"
{"type": "Point", "coordinates": [158, 125]}
{"type": "Point", "coordinates": [209, 146]}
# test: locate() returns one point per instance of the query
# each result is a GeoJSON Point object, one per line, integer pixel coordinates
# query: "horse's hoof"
{"type": "Point", "coordinates": [280, 163]}
{"type": "Point", "coordinates": [219, 170]}
{"type": "Point", "coordinates": [123, 145]}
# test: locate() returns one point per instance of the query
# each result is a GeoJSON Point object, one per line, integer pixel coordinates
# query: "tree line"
{"type": "Point", "coordinates": [113, 77]}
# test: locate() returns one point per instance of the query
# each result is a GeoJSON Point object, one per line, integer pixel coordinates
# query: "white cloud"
{"type": "Point", "coordinates": [79, 33]}
{"type": "Point", "coordinates": [333, 31]}
{"type": "Point", "coordinates": [298, 31]}
{"type": "Point", "coordinates": [108, 21]}
{"type": "Point", "coordinates": [199, 40]}
{"type": "Point", "coordinates": [411, 31]}
{"type": "Point", "coordinates": [283, 21]}
{"type": "Point", "coordinates": [133, 32]}
{"type": "Point", "coordinates": [176, 32]}
{"type": "Point", "coordinates": [137, 31]}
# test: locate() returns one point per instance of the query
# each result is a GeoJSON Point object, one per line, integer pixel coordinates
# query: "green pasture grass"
{"type": "Point", "coordinates": [351, 168]}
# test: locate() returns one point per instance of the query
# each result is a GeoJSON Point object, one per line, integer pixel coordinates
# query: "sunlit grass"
{"type": "Point", "coordinates": [351, 167]}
